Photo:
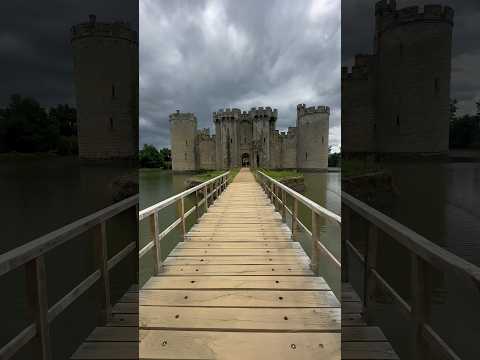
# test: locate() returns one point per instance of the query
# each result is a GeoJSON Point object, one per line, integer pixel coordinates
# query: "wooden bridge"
{"type": "Point", "coordinates": [239, 286]}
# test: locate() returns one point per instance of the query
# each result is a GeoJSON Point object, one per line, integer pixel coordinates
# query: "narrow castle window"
{"type": "Point", "coordinates": [186, 142]}
{"type": "Point", "coordinates": [398, 120]}
{"type": "Point", "coordinates": [231, 141]}
{"type": "Point", "coordinates": [264, 140]}
{"type": "Point", "coordinates": [306, 156]}
{"type": "Point", "coordinates": [437, 86]}
{"type": "Point", "coordinates": [111, 123]}
{"type": "Point", "coordinates": [113, 91]}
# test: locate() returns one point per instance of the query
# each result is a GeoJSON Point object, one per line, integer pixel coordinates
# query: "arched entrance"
{"type": "Point", "coordinates": [245, 160]}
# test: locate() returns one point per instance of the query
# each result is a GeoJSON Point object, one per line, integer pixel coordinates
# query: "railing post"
{"type": "Point", "coordinates": [205, 195]}
{"type": "Point", "coordinates": [295, 219]}
{"type": "Point", "coordinates": [420, 294]}
{"type": "Point", "coordinates": [370, 264]}
{"type": "Point", "coordinates": [345, 236]}
{"type": "Point", "coordinates": [284, 206]}
{"type": "Point", "coordinates": [101, 258]}
{"type": "Point", "coordinates": [37, 297]}
{"type": "Point", "coordinates": [315, 246]}
{"type": "Point", "coordinates": [197, 210]}
{"type": "Point", "coordinates": [156, 243]}
{"type": "Point", "coordinates": [181, 205]}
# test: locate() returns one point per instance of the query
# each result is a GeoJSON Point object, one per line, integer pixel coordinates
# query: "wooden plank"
{"type": "Point", "coordinates": [107, 350]}
{"type": "Point", "coordinates": [237, 270]}
{"type": "Point", "coordinates": [244, 319]}
{"type": "Point", "coordinates": [362, 333]}
{"type": "Point", "coordinates": [123, 320]}
{"type": "Point", "coordinates": [101, 261]}
{"type": "Point", "coordinates": [112, 333]}
{"type": "Point", "coordinates": [368, 350]}
{"type": "Point", "coordinates": [238, 298]}
{"type": "Point", "coordinates": [236, 260]}
{"type": "Point", "coordinates": [238, 245]}
{"type": "Point", "coordinates": [236, 282]}
{"type": "Point", "coordinates": [160, 344]}
{"type": "Point", "coordinates": [236, 252]}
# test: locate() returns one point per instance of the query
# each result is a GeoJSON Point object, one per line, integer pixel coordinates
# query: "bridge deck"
{"type": "Point", "coordinates": [238, 287]}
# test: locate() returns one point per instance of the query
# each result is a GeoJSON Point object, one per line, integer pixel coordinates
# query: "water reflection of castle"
{"type": "Point", "coordinates": [397, 99]}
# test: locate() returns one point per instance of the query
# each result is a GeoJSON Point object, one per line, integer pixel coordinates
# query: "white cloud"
{"type": "Point", "coordinates": [200, 56]}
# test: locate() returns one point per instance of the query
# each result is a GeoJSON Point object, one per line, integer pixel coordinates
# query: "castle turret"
{"type": "Point", "coordinates": [183, 133]}
{"type": "Point", "coordinates": [312, 137]}
{"type": "Point", "coordinates": [413, 49]}
{"type": "Point", "coordinates": [106, 86]}
{"type": "Point", "coordinates": [227, 137]}
{"type": "Point", "coordinates": [263, 126]}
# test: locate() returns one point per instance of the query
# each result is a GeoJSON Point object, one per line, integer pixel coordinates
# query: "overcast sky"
{"type": "Point", "coordinates": [203, 55]}
{"type": "Point", "coordinates": [35, 53]}
{"type": "Point", "coordinates": [358, 21]}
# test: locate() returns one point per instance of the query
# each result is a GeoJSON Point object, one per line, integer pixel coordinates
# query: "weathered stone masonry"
{"type": "Point", "coordinates": [250, 139]}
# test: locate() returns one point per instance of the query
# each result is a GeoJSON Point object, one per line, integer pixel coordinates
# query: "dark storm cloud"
{"type": "Point", "coordinates": [35, 52]}
{"type": "Point", "coordinates": [201, 56]}
{"type": "Point", "coordinates": [358, 20]}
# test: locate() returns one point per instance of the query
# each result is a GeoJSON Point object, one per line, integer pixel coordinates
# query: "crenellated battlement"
{"type": "Point", "coordinates": [227, 114]}
{"type": "Point", "coordinates": [92, 28]}
{"type": "Point", "coordinates": [303, 110]}
{"type": "Point", "coordinates": [389, 16]}
{"type": "Point", "coordinates": [361, 70]}
{"type": "Point", "coordinates": [180, 116]}
{"type": "Point", "coordinates": [204, 135]}
{"type": "Point", "coordinates": [261, 112]}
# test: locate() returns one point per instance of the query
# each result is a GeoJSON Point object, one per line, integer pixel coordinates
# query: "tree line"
{"type": "Point", "coordinates": [150, 157]}
{"type": "Point", "coordinates": [464, 130]}
{"type": "Point", "coordinates": [27, 127]}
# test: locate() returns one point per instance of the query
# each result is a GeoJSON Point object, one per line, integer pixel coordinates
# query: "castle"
{"type": "Point", "coordinates": [106, 85]}
{"type": "Point", "coordinates": [250, 139]}
{"type": "Point", "coordinates": [397, 100]}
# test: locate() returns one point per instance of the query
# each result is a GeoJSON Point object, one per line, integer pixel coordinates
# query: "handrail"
{"type": "Point", "coordinates": [218, 185]}
{"type": "Point", "coordinates": [319, 210]}
{"type": "Point", "coordinates": [415, 242]}
{"type": "Point", "coordinates": [32, 256]}
{"type": "Point", "coordinates": [319, 250]}
{"type": "Point", "coordinates": [163, 204]}
{"type": "Point", "coordinates": [424, 254]}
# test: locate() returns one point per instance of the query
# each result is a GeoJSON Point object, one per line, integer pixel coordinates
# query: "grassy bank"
{"type": "Point", "coordinates": [208, 175]}
{"type": "Point", "coordinates": [358, 167]}
{"type": "Point", "coordinates": [282, 174]}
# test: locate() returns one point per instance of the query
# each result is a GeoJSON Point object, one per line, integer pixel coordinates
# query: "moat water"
{"type": "Point", "coordinates": [440, 201]}
{"type": "Point", "coordinates": [39, 195]}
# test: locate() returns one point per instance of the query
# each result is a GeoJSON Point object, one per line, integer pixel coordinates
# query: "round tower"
{"type": "Point", "coordinates": [227, 137]}
{"type": "Point", "coordinates": [263, 126]}
{"type": "Point", "coordinates": [183, 132]}
{"type": "Point", "coordinates": [105, 59]}
{"type": "Point", "coordinates": [312, 137]}
{"type": "Point", "coordinates": [413, 49]}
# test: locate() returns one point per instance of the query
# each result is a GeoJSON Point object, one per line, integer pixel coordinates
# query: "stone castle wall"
{"type": "Point", "coordinates": [183, 133]}
{"type": "Point", "coordinates": [105, 57]}
{"type": "Point", "coordinates": [250, 138]}
{"type": "Point", "coordinates": [397, 100]}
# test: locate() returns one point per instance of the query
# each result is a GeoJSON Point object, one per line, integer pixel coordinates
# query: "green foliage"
{"type": "Point", "coordinates": [465, 132]}
{"type": "Point", "coordinates": [150, 157]}
{"type": "Point", "coordinates": [282, 174]}
{"type": "Point", "coordinates": [27, 127]}
{"type": "Point", "coordinates": [207, 175]}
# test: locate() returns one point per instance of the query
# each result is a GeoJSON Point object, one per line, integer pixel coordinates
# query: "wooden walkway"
{"type": "Point", "coordinates": [239, 288]}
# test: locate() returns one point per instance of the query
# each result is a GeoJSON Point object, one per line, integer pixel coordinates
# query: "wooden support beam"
{"type": "Point", "coordinates": [345, 237]}
{"type": "Point", "coordinates": [295, 220]}
{"type": "Point", "coordinates": [37, 297]}
{"type": "Point", "coordinates": [181, 209]}
{"type": "Point", "coordinates": [284, 206]}
{"type": "Point", "coordinates": [421, 297]}
{"type": "Point", "coordinates": [205, 196]}
{"type": "Point", "coordinates": [315, 256]}
{"type": "Point", "coordinates": [101, 260]}
{"type": "Point", "coordinates": [370, 265]}
{"type": "Point", "coordinates": [197, 210]}
{"type": "Point", "coordinates": [156, 242]}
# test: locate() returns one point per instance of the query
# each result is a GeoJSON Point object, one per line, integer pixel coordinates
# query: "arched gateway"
{"type": "Point", "coordinates": [245, 160]}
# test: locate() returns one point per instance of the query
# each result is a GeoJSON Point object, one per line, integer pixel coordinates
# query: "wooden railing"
{"type": "Point", "coordinates": [210, 190]}
{"type": "Point", "coordinates": [278, 192]}
{"type": "Point", "coordinates": [32, 256]}
{"type": "Point", "coordinates": [425, 256]}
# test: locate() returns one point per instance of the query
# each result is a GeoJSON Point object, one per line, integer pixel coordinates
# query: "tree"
{"type": "Point", "coordinates": [150, 157]}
